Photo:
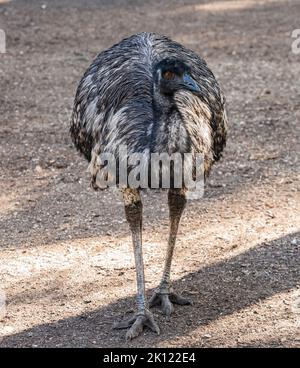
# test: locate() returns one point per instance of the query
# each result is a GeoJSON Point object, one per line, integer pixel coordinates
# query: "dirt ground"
{"type": "Point", "coordinates": [67, 269]}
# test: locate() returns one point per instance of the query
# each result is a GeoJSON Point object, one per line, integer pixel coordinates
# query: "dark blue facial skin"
{"type": "Point", "coordinates": [174, 75]}
{"type": "Point", "coordinates": [180, 81]}
{"type": "Point", "coordinates": [189, 83]}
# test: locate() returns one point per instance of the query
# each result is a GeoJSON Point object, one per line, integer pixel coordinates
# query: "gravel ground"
{"type": "Point", "coordinates": [67, 269]}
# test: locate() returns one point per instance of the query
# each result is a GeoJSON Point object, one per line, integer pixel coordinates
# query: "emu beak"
{"type": "Point", "coordinates": [190, 83]}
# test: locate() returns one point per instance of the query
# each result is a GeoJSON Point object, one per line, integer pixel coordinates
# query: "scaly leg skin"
{"type": "Point", "coordinates": [164, 295]}
{"type": "Point", "coordinates": [143, 317]}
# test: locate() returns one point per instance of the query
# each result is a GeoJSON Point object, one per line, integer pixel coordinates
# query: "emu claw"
{"type": "Point", "coordinates": [166, 300]}
{"type": "Point", "coordinates": [136, 324]}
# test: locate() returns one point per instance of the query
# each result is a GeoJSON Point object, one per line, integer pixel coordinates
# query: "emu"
{"type": "Point", "coordinates": [153, 95]}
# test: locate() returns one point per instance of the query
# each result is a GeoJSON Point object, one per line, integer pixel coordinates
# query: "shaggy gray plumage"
{"type": "Point", "coordinates": [115, 103]}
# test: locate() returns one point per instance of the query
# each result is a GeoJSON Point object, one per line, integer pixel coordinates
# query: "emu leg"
{"type": "Point", "coordinates": [164, 294]}
{"type": "Point", "coordinates": [143, 317]}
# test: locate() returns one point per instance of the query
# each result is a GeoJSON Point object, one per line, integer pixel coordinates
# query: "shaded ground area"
{"type": "Point", "coordinates": [66, 266]}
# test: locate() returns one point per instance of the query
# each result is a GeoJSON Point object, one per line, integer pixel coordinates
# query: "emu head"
{"type": "Point", "coordinates": [171, 75]}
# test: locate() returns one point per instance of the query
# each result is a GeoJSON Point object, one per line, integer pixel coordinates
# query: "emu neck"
{"type": "Point", "coordinates": [168, 134]}
{"type": "Point", "coordinates": [163, 105]}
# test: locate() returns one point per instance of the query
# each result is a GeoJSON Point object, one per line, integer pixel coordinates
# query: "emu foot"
{"type": "Point", "coordinates": [137, 323]}
{"type": "Point", "coordinates": [166, 299]}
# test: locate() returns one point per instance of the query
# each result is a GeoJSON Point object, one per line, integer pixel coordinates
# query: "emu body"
{"type": "Point", "coordinates": [149, 94]}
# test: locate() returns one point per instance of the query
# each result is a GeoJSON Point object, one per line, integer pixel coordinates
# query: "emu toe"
{"type": "Point", "coordinates": [166, 301]}
{"type": "Point", "coordinates": [137, 323]}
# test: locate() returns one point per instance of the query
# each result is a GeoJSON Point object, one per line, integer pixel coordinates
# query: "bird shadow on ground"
{"type": "Point", "coordinates": [218, 290]}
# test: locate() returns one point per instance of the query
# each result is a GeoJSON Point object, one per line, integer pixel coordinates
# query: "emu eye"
{"type": "Point", "coordinates": [168, 75]}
